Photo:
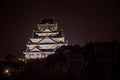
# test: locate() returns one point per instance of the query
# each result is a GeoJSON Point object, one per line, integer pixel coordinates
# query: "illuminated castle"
{"type": "Point", "coordinates": [45, 40]}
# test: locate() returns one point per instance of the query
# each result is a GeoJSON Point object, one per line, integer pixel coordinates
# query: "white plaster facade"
{"type": "Point", "coordinates": [46, 42]}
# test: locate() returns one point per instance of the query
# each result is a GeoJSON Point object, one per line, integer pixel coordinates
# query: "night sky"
{"type": "Point", "coordinates": [82, 21]}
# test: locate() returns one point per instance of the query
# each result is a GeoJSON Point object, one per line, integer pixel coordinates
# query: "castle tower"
{"type": "Point", "coordinates": [45, 40]}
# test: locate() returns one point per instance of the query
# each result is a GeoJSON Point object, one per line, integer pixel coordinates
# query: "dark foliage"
{"type": "Point", "coordinates": [95, 61]}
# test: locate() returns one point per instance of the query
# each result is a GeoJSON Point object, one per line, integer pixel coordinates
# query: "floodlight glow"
{"type": "Point", "coordinates": [6, 71]}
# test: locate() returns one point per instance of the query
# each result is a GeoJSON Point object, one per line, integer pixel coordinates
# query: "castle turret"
{"type": "Point", "coordinates": [45, 40]}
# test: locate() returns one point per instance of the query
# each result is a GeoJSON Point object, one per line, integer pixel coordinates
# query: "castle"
{"type": "Point", "coordinates": [45, 40]}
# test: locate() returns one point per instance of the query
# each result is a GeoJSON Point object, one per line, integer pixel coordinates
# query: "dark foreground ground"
{"type": "Point", "coordinates": [95, 61]}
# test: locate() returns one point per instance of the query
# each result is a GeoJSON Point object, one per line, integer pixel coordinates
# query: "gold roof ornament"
{"type": "Point", "coordinates": [41, 19]}
{"type": "Point", "coordinates": [53, 17]}
{"type": "Point", "coordinates": [67, 41]}
{"type": "Point", "coordinates": [33, 30]}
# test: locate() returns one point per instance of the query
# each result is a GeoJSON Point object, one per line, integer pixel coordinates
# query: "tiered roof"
{"type": "Point", "coordinates": [45, 40]}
